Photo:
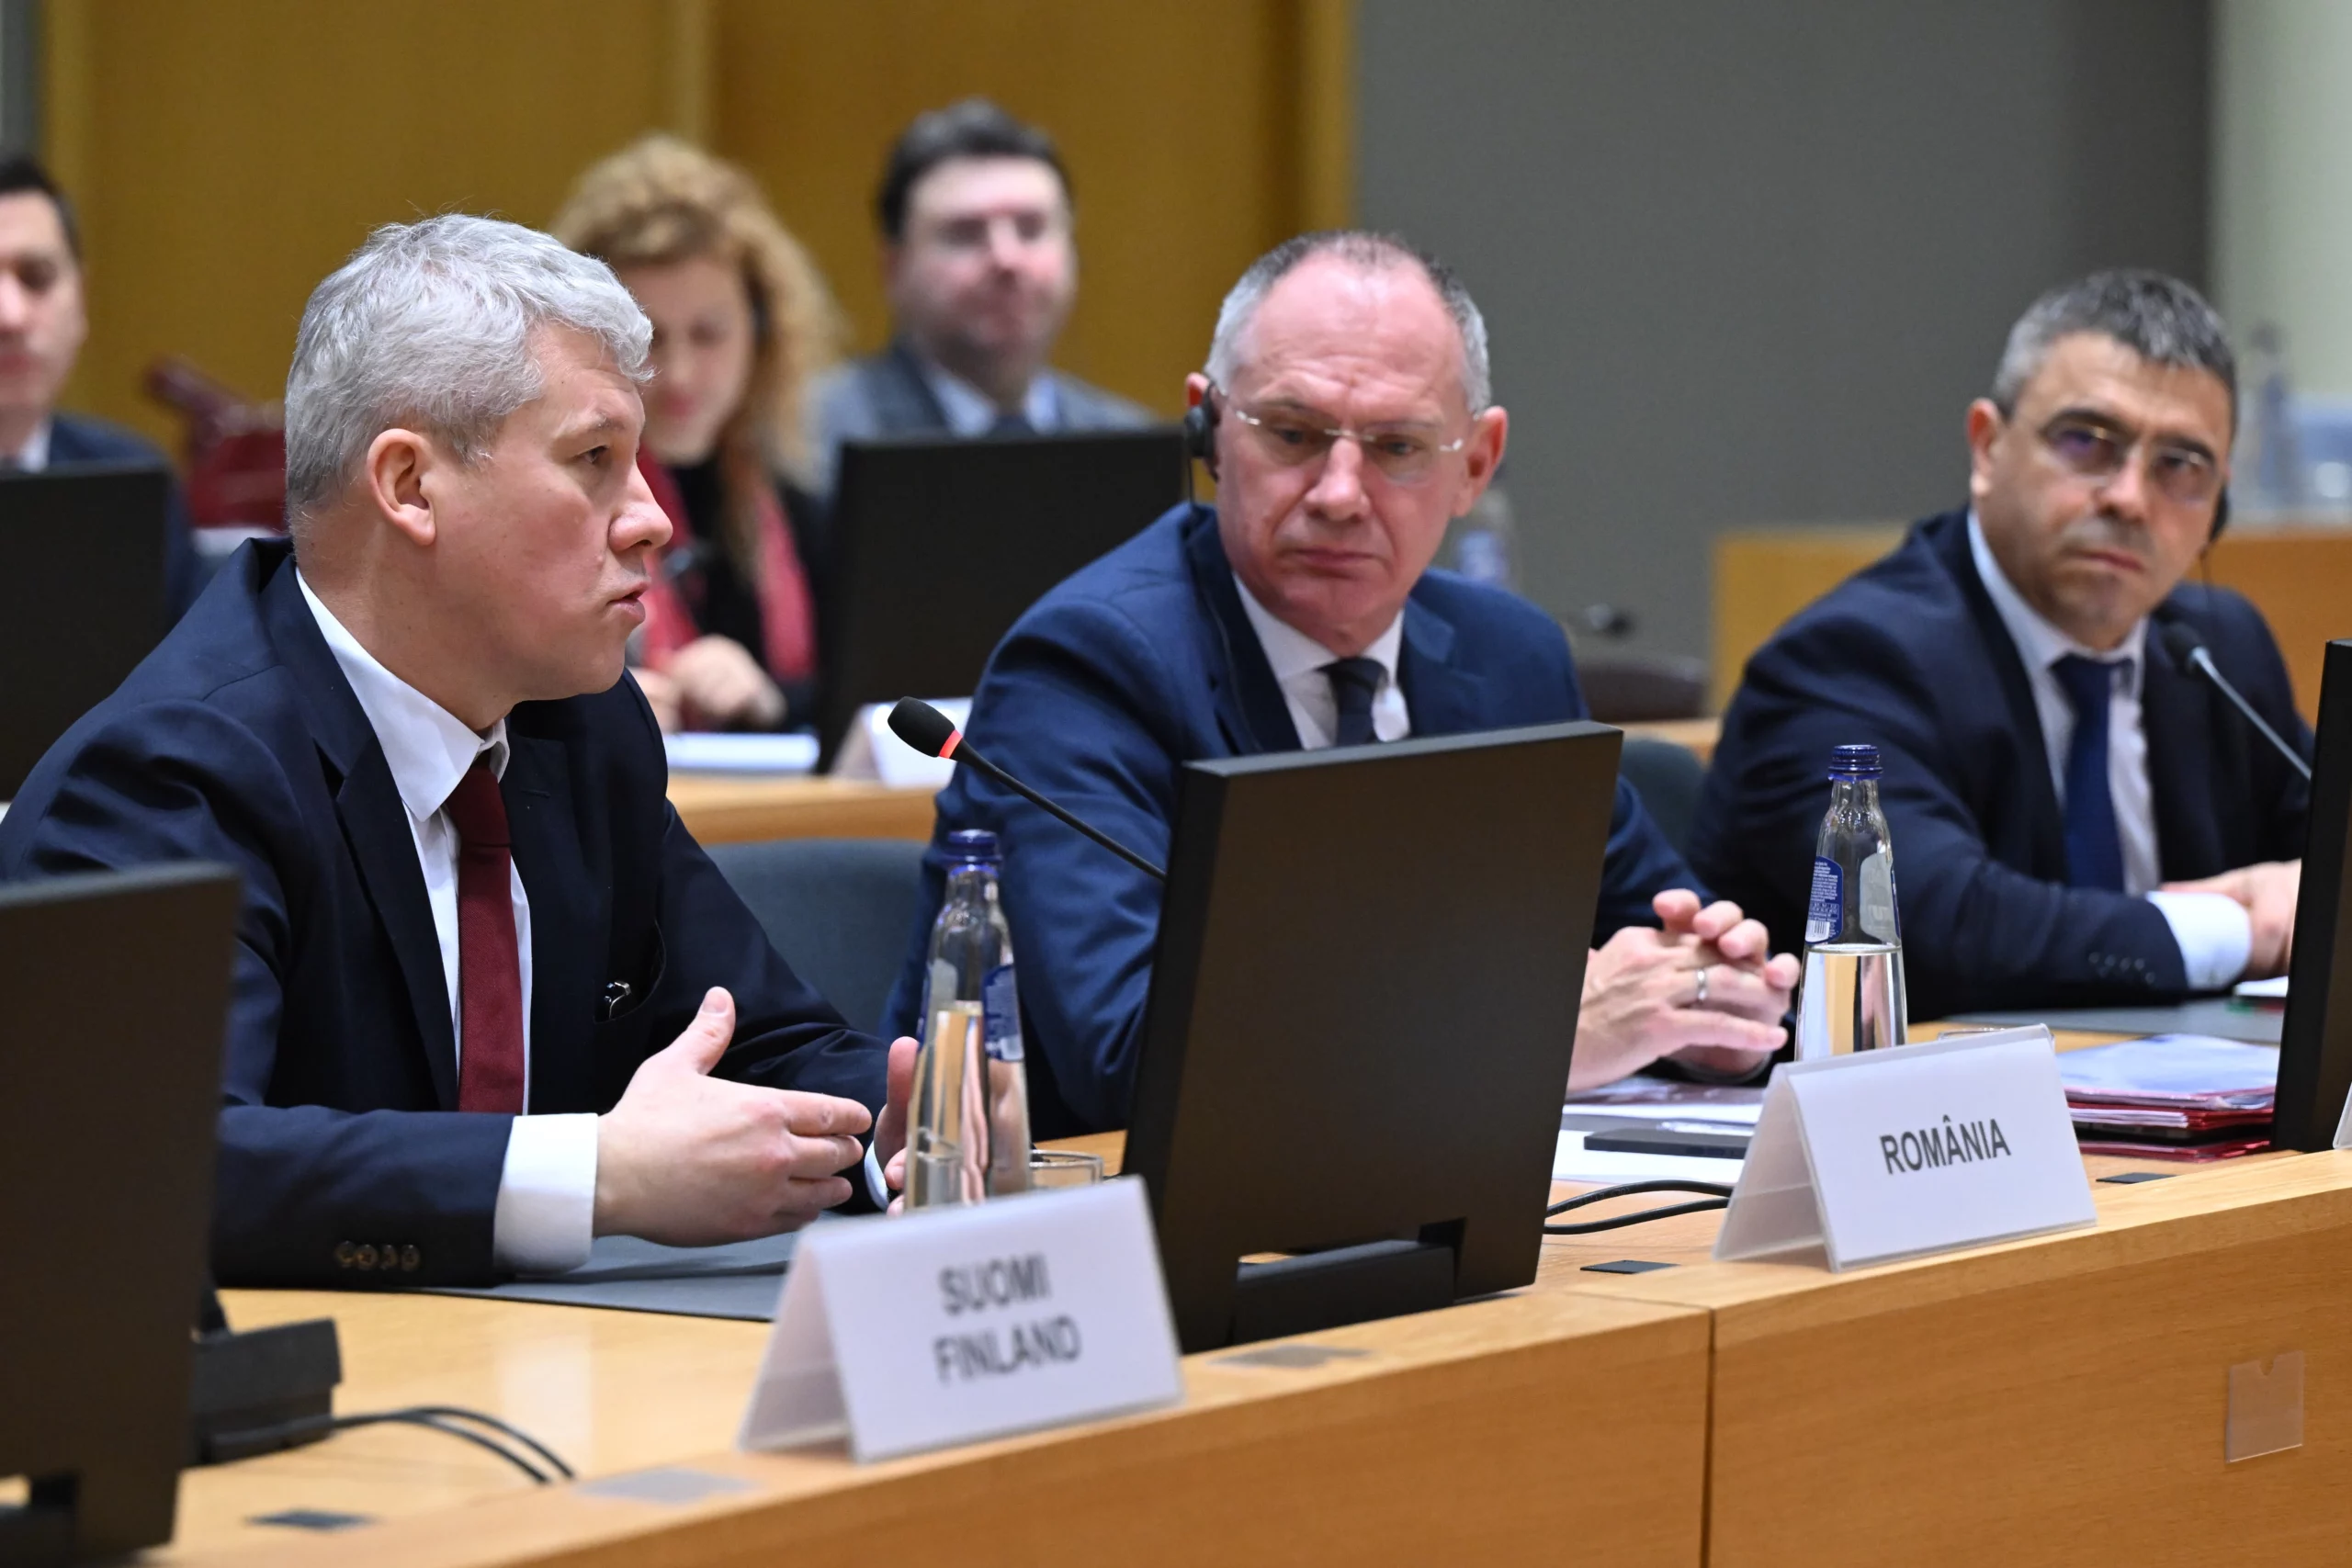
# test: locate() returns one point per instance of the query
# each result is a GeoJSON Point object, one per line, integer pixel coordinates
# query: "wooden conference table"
{"type": "Point", "coordinates": [720, 808]}
{"type": "Point", "coordinates": [2056, 1400]}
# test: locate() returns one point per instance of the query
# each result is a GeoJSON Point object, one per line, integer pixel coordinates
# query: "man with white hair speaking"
{"type": "Point", "coordinates": [491, 998]}
{"type": "Point", "coordinates": [1347, 403]}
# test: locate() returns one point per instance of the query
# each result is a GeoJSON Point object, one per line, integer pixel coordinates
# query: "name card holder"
{"type": "Point", "coordinates": [952, 1324]}
{"type": "Point", "coordinates": [1914, 1150]}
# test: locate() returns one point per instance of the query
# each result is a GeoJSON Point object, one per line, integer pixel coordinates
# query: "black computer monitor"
{"type": "Point", "coordinates": [84, 548]}
{"type": "Point", "coordinates": [1363, 1003]}
{"type": "Point", "coordinates": [117, 990]}
{"type": "Point", "coordinates": [2315, 1037]}
{"type": "Point", "coordinates": [939, 546]}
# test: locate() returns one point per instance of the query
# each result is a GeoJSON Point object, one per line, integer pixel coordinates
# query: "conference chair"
{"type": "Point", "coordinates": [1668, 778]}
{"type": "Point", "coordinates": [1641, 688]}
{"type": "Point", "coordinates": [838, 909]}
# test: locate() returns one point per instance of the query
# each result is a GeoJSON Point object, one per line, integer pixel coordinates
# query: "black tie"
{"type": "Point", "coordinates": [1353, 682]}
{"type": "Point", "coordinates": [1008, 425]}
{"type": "Point", "coordinates": [2094, 842]}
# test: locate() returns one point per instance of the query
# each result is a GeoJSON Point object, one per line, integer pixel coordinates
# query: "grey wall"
{"type": "Point", "coordinates": [1746, 261]}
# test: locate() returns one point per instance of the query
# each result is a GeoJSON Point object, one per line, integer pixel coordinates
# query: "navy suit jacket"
{"type": "Point", "coordinates": [1911, 657]}
{"type": "Point", "coordinates": [73, 438]}
{"type": "Point", "coordinates": [240, 742]}
{"type": "Point", "coordinates": [1146, 660]}
{"type": "Point", "coordinates": [885, 395]}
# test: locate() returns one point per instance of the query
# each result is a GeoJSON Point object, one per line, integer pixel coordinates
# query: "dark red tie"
{"type": "Point", "coordinates": [490, 972]}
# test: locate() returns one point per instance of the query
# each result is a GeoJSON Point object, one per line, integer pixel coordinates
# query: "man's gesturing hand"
{"type": "Point", "coordinates": [692, 1160]}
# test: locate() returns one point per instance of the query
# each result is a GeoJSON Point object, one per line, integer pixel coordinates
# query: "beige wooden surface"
{"type": "Point", "coordinates": [2053, 1401]}
{"type": "Point", "coordinates": [722, 808]}
{"type": "Point", "coordinates": [2058, 1400]}
{"type": "Point", "coordinates": [2299, 577]}
{"type": "Point", "coordinates": [1505, 1430]}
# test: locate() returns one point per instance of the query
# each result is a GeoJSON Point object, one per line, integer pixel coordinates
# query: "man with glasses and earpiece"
{"type": "Point", "coordinates": [2079, 817]}
{"type": "Point", "coordinates": [1345, 410]}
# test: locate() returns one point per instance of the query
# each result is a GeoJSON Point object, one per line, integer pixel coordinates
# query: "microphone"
{"type": "Point", "coordinates": [2183, 643]}
{"type": "Point", "coordinates": [931, 732]}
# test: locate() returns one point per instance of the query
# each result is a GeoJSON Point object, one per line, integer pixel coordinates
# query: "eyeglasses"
{"type": "Point", "coordinates": [1296, 439]}
{"type": "Point", "coordinates": [2184, 475]}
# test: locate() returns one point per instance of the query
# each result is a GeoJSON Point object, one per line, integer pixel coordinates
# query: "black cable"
{"type": "Point", "coordinates": [459, 1413]}
{"type": "Point", "coordinates": [442, 1418]}
{"type": "Point", "coordinates": [1718, 1197]}
{"type": "Point", "coordinates": [1642, 1218]}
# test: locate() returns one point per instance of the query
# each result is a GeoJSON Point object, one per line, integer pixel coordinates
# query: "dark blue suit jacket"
{"type": "Point", "coordinates": [240, 742]}
{"type": "Point", "coordinates": [73, 438]}
{"type": "Point", "coordinates": [1139, 663]}
{"type": "Point", "coordinates": [1910, 656]}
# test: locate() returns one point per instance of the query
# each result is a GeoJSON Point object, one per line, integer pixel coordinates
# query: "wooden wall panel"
{"type": "Point", "coordinates": [228, 153]}
{"type": "Point", "coordinates": [231, 155]}
{"type": "Point", "coordinates": [1181, 127]}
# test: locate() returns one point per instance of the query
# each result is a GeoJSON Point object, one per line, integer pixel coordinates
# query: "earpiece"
{"type": "Point", "coordinates": [2221, 516]}
{"type": "Point", "coordinates": [1200, 441]}
{"type": "Point", "coordinates": [1200, 433]}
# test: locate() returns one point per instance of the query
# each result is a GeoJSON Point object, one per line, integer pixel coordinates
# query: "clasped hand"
{"type": "Point", "coordinates": [690, 1160]}
{"type": "Point", "coordinates": [2266, 893]}
{"type": "Point", "coordinates": [1704, 988]}
{"type": "Point", "coordinates": [712, 682]}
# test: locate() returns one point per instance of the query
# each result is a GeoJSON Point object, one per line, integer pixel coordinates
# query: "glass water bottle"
{"type": "Point", "coordinates": [969, 1137]}
{"type": "Point", "coordinates": [1853, 997]}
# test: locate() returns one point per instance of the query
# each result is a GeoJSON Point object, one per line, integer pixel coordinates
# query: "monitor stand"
{"type": "Point", "coordinates": [40, 1530]}
{"type": "Point", "coordinates": [1315, 1291]}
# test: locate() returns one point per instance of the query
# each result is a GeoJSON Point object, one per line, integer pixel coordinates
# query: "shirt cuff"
{"type": "Point", "coordinates": [876, 1188]}
{"type": "Point", "coordinates": [2215, 934]}
{"type": "Point", "coordinates": [547, 1195]}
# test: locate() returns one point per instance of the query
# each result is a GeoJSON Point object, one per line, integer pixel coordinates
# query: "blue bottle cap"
{"type": "Point", "coordinates": [968, 844]}
{"type": "Point", "coordinates": [1854, 762]}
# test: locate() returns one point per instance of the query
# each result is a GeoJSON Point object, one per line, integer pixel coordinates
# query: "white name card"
{"type": "Point", "coordinates": [952, 1324]}
{"type": "Point", "coordinates": [1917, 1149]}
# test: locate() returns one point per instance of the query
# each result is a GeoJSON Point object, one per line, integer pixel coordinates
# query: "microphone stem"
{"type": "Point", "coordinates": [964, 753]}
{"type": "Point", "coordinates": [2204, 663]}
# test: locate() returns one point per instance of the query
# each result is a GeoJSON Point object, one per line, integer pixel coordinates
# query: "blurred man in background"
{"type": "Point", "coordinates": [981, 265]}
{"type": "Point", "coordinates": [42, 323]}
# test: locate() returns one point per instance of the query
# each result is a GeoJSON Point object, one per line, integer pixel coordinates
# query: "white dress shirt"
{"type": "Point", "coordinates": [971, 411]}
{"type": "Point", "coordinates": [2215, 935]}
{"type": "Point", "coordinates": [32, 458]}
{"type": "Point", "coordinates": [546, 1194]}
{"type": "Point", "coordinates": [1298, 660]}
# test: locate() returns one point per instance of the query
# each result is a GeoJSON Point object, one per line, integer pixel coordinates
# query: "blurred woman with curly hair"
{"type": "Point", "coordinates": [742, 323]}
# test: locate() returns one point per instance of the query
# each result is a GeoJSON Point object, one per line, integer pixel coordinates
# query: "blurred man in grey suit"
{"type": "Point", "coordinates": [981, 268]}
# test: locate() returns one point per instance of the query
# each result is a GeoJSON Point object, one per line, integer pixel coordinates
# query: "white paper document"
{"type": "Point", "coordinates": [711, 751]}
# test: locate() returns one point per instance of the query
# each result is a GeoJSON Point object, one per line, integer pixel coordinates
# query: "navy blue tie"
{"type": "Point", "coordinates": [1353, 682]}
{"type": "Point", "coordinates": [2094, 846]}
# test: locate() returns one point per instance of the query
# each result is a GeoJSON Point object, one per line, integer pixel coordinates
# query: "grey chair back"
{"type": "Point", "coordinates": [841, 910]}
{"type": "Point", "coordinates": [1668, 778]}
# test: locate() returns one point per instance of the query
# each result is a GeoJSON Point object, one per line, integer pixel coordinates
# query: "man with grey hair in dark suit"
{"type": "Point", "coordinates": [980, 267]}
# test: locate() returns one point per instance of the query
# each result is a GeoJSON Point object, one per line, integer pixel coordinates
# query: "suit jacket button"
{"type": "Point", "coordinates": [343, 1254]}
{"type": "Point", "coordinates": [411, 1260]}
{"type": "Point", "coordinates": [367, 1256]}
